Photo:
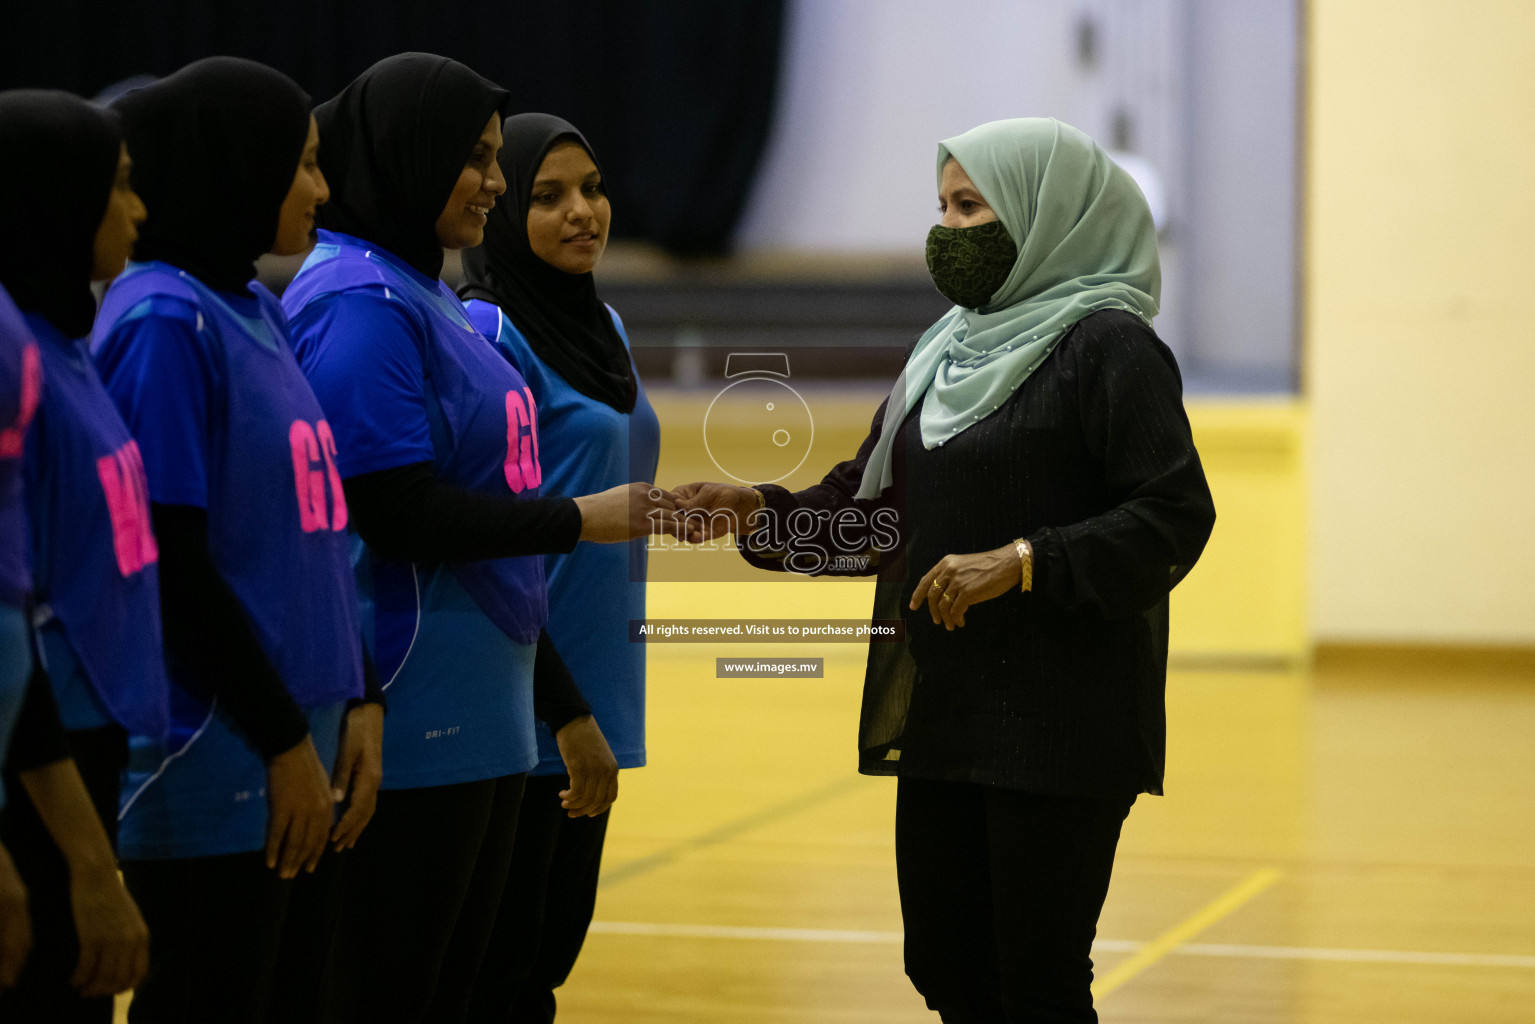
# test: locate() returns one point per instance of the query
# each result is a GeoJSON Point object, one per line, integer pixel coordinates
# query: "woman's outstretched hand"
{"type": "Point", "coordinates": [628, 511]}
{"type": "Point", "coordinates": [712, 510]}
{"type": "Point", "coordinates": [957, 582]}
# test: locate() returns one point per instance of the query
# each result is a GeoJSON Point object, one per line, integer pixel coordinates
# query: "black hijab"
{"type": "Point", "coordinates": [214, 147]}
{"type": "Point", "coordinates": [58, 161]}
{"type": "Point", "coordinates": [393, 145]}
{"type": "Point", "coordinates": [559, 313]}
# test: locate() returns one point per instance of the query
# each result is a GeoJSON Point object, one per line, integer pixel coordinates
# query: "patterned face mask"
{"type": "Point", "coordinates": [968, 265]}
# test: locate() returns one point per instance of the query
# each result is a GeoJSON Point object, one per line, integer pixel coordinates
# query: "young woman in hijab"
{"type": "Point", "coordinates": [1028, 495]}
{"type": "Point", "coordinates": [529, 287]}
{"type": "Point", "coordinates": [440, 458]}
{"type": "Point", "coordinates": [262, 633]}
{"type": "Point", "coordinates": [91, 551]}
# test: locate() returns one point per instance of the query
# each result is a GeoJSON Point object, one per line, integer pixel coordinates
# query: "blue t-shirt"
{"type": "Point", "coordinates": [404, 379]}
{"type": "Point", "coordinates": [588, 446]}
{"type": "Point", "coordinates": [226, 422]}
{"type": "Point", "coordinates": [94, 557]}
{"type": "Point", "coordinates": [79, 705]}
{"type": "Point", "coordinates": [203, 793]}
{"type": "Point", "coordinates": [21, 385]}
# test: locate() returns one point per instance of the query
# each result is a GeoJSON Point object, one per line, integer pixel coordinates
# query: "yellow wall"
{"type": "Point", "coordinates": [1246, 598]}
{"type": "Point", "coordinates": [1420, 269]}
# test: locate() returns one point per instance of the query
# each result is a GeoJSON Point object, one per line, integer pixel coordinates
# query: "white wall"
{"type": "Point", "coordinates": [1242, 81]}
{"type": "Point", "coordinates": [869, 88]}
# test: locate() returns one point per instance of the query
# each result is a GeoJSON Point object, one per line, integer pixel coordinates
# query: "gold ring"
{"type": "Point", "coordinates": [937, 585]}
{"type": "Point", "coordinates": [946, 597]}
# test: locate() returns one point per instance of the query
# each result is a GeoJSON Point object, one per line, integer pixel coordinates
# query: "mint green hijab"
{"type": "Point", "coordinates": [1085, 242]}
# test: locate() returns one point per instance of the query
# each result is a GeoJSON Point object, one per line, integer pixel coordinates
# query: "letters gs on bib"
{"type": "Point", "coordinates": [522, 466]}
{"type": "Point", "coordinates": [314, 467]}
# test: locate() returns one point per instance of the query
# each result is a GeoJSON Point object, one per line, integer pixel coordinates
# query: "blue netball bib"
{"type": "Point", "coordinates": [483, 417]}
{"type": "Point", "coordinates": [265, 469]}
{"type": "Point", "coordinates": [226, 422]}
{"type": "Point", "coordinates": [93, 548]}
{"type": "Point", "coordinates": [405, 378]}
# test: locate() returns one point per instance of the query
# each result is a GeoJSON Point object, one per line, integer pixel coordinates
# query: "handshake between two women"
{"type": "Point", "coordinates": [694, 512]}
{"type": "Point", "coordinates": [699, 512]}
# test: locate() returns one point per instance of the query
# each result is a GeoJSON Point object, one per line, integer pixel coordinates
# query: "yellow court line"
{"type": "Point", "coordinates": [1185, 930]}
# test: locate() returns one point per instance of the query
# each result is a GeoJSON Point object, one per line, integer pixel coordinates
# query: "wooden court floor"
{"type": "Point", "coordinates": [1342, 848]}
{"type": "Point", "coordinates": [1335, 848]}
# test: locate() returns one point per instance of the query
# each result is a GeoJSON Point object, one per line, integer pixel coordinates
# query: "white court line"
{"type": "Point", "coordinates": [1360, 956]}
{"type": "Point", "coordinates": [1223, 906]}
{"type": "Point", "coordinates": [1363, 956]}
{"type": "Point", "coordinates": [715, 931]}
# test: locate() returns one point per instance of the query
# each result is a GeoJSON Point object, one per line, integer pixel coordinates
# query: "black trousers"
{"type": "Point", "coordinates": [545, 910]}
{"type": "Point", "coordinates": [215, 928]}
{"type": "Point", "coordinates": [256, 942]}
{"type": "Point", "coordinates": [420, 899]}
{"type": "Point", "coordinates": [43, 992]}
{"type": "Point", "coordinates": [1000, 894]}
{"type": "Point", "coordinates": [308, 936]}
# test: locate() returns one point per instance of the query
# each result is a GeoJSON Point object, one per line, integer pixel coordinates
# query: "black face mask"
{"type": "Point", "coordinates": [968, 265]}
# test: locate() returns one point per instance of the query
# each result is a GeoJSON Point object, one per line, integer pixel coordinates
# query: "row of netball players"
{"type": "Point", "coordinates": [354, 738]}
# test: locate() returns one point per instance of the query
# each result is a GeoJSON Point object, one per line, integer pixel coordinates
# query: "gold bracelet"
{"type": "Point", "coordinates": [752, 519]}
{"type": "Point", "coordinates": [1025, 564]}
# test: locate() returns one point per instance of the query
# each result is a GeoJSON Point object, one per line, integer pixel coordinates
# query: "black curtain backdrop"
{"type": "Point", "coordinates": [675, 95]}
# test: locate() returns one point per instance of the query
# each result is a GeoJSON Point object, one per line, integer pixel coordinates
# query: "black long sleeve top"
{"type": "Point", "coordinates": [1061, 689]}
{"type": "Point", "coordinates": [409, 514]}
{"type": "Point", "coordinates": [209, 638]}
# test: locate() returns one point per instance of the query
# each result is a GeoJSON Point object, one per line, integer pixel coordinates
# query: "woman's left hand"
{"type": "Point", "coordinates": [959, 581]}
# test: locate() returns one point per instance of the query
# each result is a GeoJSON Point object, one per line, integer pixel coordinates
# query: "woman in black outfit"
{"type": "Point", "coordinates": [1033, 483]}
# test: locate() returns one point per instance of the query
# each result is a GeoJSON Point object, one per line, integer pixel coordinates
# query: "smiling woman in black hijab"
{"type": "Point", "coordinates": [439, 450]}
{"type": "Point", "coordinates": [558, 311]}
{"type": "Point", "coordinates": [530, 289]}
{"type": "Point", "coordinates": [261, 625]}
{"type": "Point", "coordinates": [394, 150]}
